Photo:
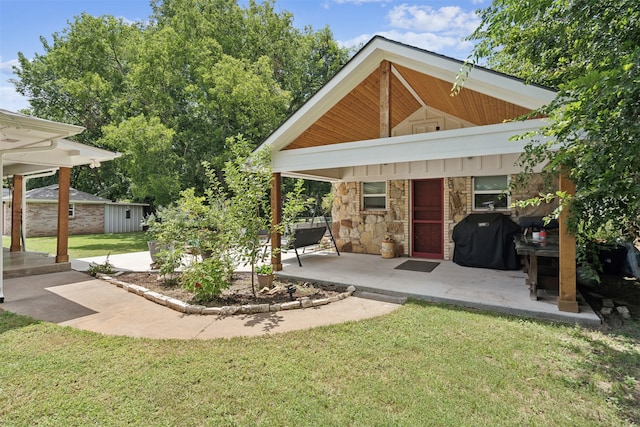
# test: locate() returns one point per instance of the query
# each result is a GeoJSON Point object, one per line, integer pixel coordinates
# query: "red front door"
{"type": "Point", "coordinates": [428, 218]}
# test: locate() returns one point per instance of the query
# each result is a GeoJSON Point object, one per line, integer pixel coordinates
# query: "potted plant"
{"type": "Point", "coordinates": [265, 275]}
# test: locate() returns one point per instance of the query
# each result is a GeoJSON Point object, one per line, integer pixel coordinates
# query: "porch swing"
{"type": "Point", "coordinates": [306, 234]}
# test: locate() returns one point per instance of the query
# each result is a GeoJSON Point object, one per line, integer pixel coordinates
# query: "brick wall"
{"type": "Point", "coordinates": [42, 219]}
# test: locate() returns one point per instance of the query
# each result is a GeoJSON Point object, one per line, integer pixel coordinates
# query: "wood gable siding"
{"type": "Point", "coordinates": [356, 117]}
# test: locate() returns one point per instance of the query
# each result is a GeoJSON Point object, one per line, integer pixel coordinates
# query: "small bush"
{"type": "Point", "coordinates": [207, 278]}
{"type": "Point", "coordinates": [105, 268]}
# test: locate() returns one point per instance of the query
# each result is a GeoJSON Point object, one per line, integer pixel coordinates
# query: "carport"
{"type": "Point", "coordinates": [31, 147]}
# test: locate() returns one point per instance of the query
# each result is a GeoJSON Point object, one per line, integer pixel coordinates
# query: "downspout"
{"type": "Point", "coordinates": [50, 147]}
{"type": "Point", "coordinates": [23, 222]}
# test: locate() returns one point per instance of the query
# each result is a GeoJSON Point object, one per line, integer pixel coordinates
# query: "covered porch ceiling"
{"type": "Point", "coordinates": [30, 145]}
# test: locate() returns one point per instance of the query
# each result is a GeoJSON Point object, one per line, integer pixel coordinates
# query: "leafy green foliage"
{"type": "Point", "coordinates": [264, 269]}
{"type": "Point", "coordinates": [207, 278]}
{"type": "Point", "coordinates": [248, 179]}
{"type": "Point", "coordinates": [590, 52]}
{"type": "Point", "coordinates": [105, 268]}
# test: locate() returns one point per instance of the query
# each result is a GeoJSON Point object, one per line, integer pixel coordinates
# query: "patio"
{"type": "Point", "coordinates": [373, 276]}
{"type": "Point", "coordinates": [484, 289]}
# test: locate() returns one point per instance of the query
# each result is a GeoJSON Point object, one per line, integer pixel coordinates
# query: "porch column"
{"type": "Point", "coordinates": [16, 214]}
{"type": "Point", "coordinates": [385, 99]}
{"type": "Point", "coordinates": [64, 182]}
{"type": "Point", "coordinates": [276, 218]}
{"type": "Point", "coordinates": [567, 286]}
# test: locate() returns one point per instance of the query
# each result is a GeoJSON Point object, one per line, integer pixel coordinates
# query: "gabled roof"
{"type": "Point", "coordinates": [50, 194]}
{"type": "Point", "coordinates": [382, 116]}
{"type": "Point", "coordinates": [347, 108]}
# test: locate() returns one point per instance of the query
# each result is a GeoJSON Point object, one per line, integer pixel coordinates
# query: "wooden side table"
{"type": "Point", "coordinates": [531, 250]}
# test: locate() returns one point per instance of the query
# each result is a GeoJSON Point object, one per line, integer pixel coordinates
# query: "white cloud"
{"type": "Point", "coordinates": [442, 44]}
{"type": "Point", "coordinates": [439, 30]}
{"type": "Point", "coordinates": [12, 100]}
{"type": "Point", "coordinates": [449, 19]}
{"type": "Point", "coordinates": [9, 98]}
{"type": "Point", "coordinates": [6, 67]}
{"type": "Point", "coordinates": [359, 2]}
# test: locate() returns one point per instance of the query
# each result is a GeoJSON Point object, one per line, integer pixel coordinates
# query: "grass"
{"type": "Point", "coordinates": [422, 365]}
{"type": "Point", "coordinates": [89, 245]}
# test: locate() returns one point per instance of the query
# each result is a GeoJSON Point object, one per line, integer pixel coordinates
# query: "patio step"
{"type": "Point", "coordinates": [23, 271]}
{"type": "Point", "coordinates": [380, 297]}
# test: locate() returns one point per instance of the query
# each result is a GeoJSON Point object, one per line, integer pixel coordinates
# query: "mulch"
{"type": "Point", "coordinates": [238, 293]}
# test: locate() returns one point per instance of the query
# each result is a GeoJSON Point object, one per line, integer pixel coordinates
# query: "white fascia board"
{"type": "Point", "coordinates": [465, 142]}
{"type": "Point", "coordinates": [23, 121]}
{"type": "Point", "coordinates": [83, 154]}
{"type": "Point", "coordinates": [24, 169]}
{"type": "Point", "coordinates": [67, 154]}
{"type": "Point", "coordinates": [359, 68]}
{"type": "Point", "coordinates": [480, 80]}
{"type": "Point", "coordinates": [314, 176]}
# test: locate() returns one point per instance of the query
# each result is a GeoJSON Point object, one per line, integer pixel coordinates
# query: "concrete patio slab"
{"type": "Point", "coordinates": [481, 288]}
{"type": "Point", "coordinates": [80, 301]}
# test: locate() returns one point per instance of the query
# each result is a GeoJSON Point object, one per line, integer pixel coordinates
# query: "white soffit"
{"type": "Point", "coordinates": [465, 142]}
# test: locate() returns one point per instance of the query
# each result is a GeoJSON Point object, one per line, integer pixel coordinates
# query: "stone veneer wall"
{"type": "Point", "coordinates": [459, 204]}
{"type": "Point", "coordinates": [361, 231]}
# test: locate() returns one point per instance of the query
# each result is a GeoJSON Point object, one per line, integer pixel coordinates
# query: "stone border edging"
{"type": "Point", "coordinates": [187, 308]}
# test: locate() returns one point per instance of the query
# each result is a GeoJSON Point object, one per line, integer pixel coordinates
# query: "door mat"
{"type": "Point", "coordinates": [424, 266]}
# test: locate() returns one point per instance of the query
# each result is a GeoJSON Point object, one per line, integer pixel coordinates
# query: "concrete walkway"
{"type": "Point", "coordinates": [480, 288]}
{"type": "Point", "coordinates": [75, 299]}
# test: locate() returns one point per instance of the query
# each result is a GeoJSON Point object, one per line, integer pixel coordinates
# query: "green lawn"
{"type": "Point", "coordinates": [89, 245]}
{"type": "Point", "coordinates": [422, 365]}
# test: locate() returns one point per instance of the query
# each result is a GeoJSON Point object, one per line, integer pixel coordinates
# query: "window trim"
{"type": "Point", "coordinates": [504, 191]}
{"type": "Point", "coordinates": [371, 195]}
{"type": "Point", "coordinates": [72, 210]}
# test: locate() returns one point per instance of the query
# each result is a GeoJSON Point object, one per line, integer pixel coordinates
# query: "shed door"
{"type": "Point", "coordinates": [428, 218]}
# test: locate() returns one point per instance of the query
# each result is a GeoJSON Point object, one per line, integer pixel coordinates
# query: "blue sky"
{"type": "Point", "coordinates": [436, 25]}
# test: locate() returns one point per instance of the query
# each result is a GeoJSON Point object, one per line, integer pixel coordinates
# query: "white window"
{"type": "Point", "coordinates": [374, 196]}
{"type": "Point", "coordinates": [491, 192]}
{"type": "Point", "coordinates": [72, 210]}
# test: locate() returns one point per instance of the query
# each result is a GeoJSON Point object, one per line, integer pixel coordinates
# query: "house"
{"type": "Point", "coordinates": [406, 158]}
{"type": "Point", "coordinates": [88, 214]}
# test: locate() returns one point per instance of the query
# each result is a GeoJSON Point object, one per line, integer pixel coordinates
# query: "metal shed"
{"type": "Point", "coordinates": [123, 217]}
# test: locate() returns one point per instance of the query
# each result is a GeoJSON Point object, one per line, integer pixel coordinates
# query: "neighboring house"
{"type": "Point", "coordinates": [88, 214]}
{"type": "Point", "coordinates": [406, 158]}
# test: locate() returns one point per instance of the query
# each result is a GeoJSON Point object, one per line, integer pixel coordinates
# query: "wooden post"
{"type": "Point", "coordinates": [385, 99]}
{"type": "Point", "coordinates": [567, 280]}
{"type": "Point", "coordinates": [64, 182]}
{"type": "Point", "coordinates": [16, 214]}
{"type": "Point", "coordinates": [276, 218]}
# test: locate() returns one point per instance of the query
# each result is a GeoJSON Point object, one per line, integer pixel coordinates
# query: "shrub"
{"type": "Point", "coordinates": [105, 268]}
{"type": "Point", "coordinates": [207, 278]}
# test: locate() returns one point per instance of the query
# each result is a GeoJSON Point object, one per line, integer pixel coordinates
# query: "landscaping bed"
{"type": "Point", "coordinates": [237, 298]}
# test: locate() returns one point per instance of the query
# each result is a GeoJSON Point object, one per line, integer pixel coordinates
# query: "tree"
{"type": "Point", "coordinates": [148, 158]}
{"type": "Point", "coordinates": [77, 80]}
{"type": "Point", "coordinates": [590, 51]}
{"type": "Point", "coordinates": [199, 72]}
